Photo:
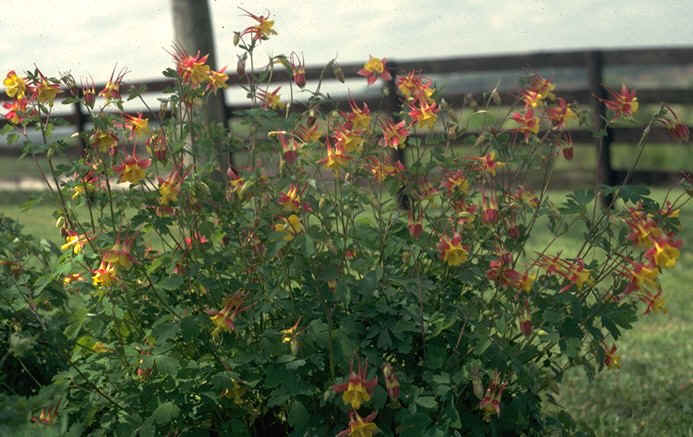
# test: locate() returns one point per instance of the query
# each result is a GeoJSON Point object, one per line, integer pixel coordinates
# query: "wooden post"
{"type": "Point", "coordinates": [192, 25]}
{"type": "Point", "coordinates": [604, 173]}
{"type": "Point", "coordinates": [81, 121]}
{"type": "Point", "coordinates": [394, 107]}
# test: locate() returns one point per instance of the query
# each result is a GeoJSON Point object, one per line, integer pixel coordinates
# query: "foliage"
{"type": "Point", "coordinates": [321, 288]}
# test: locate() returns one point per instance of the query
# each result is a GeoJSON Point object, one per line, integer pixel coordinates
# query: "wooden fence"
{"type": "Point", "coordinates": [592, 62]}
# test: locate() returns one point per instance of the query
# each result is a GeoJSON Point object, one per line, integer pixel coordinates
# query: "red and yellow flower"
{"type": "Point", "coordinates": [132, 169]}
{"type": "Point", "coordinates": [336, 157]}
{"type": "Point", "coordinates": [358, 389]}
{"type": "Point", "coordinates": [291, 226]}
{"type": "Point", "coordinates": [528, 123]}
{"type": "Point", "coordinates": [424, 114]}
{"type": "Point", "coordinates": [16, 110]}
{"type": "Point", "coordinates": [375, 68]}
{"type": "Point", "coordinates": [394, 135]}
{"type": "Point", "coordinates": [359, 426]}
{"type": "Point", "coordinates": [262, 30]}
{"type": "Point", "coordinates": [225, 318]}
{"type": "Point", "coordinates": [560, 113]}
{"type": "Point", "coordinates": [105, 275]}
{"type": "Point", "coordinates": [15, 86]}
{"type": "Point", "coordinates": [623, 103]}
{"type": "Point", "coordinates": [451, 250]}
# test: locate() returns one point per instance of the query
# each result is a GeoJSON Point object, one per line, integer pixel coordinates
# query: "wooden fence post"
{"type": "Point", "coordinates": [604, 173]}
{"type": "Point", "coordinates": [394, 107]}
{"type": "Point", "coordinates": [81, 122]}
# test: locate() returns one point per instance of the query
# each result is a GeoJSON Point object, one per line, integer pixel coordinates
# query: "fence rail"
{"type": "Point", "coordinates": [592, 61]}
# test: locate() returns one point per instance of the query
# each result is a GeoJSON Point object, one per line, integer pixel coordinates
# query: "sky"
{"type": "Point", "coordinates": [88, 37]}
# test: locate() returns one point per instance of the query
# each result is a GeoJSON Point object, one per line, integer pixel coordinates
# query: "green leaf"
{"type": "Point", "coordinates": [165, 413]}
{"type": "Point", "coordinates": [427, 402]}
{"type": "Point", "coordinates": [171, 283]}
{"type": "Point", "coordinates": [298, 416]}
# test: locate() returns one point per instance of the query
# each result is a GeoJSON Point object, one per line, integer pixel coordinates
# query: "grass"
{"type": "Point", "coordinates": [652, 393]}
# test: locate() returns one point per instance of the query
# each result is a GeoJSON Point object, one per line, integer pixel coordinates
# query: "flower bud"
{"type": "Point", "coordinates": [338, 73]}
{"type": "Point", "coordinates": [236, 38]}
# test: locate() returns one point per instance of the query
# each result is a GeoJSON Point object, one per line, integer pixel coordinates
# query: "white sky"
{"type": "Point", "coordinates": [87, 37]}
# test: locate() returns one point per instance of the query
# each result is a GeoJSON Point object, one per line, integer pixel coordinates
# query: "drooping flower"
{"type": "Point", "coordinates": [132, 169]}
{"type": "Point", "coordinates": [291, 226]}
{"type": "Point", "coordinates": [665, 252]}
{"type": "Point", "coordinates": [358, 389]}
{"type": "Point", "coordinates": [336, 158]}
{"type": "Point", "coordinates": [262, 30]}
{"type": "Point", "coordinates": [225, 318]}
{"type": "Point", "coordinates": [359, 426]}
{"type": "Point", "coordinates": [359, 119]}
{"type": "Point", "coordinates": [489, 208]}
{"type": "Point", "coordinates": [413, 87]}
{"type": "Point", "coordinates": [236, 185]}
{"type": "Point", "coordinates": [75, 241]}
{"type": "Point", "coordinates": [573, 271]}
{"type": "Point", "coordinates": [490, 403]}
{"type": "Point", "coordinates": [382, 169]}
{"type": "Point", "coordinates": [291, 200]}
{"type": "Point", "coordinates": [543, 87]}
{"type": "Point", "coordinates": [624, 103]}
{"type": "Point", "coordinates": [45, 91]}
{"type": "Point", "coordinates": [451, 250]}
{"type": "Point", "coordinates": [415, 224]}
{"type": "Point", "coordinates": [119, 254]}
{"type": "Point", "coordinates": [170, 187]}
{"type": "Point", "coordinates": [349, 139]}
{"type": "Point", "coordinates": [157, 145]}
{"type": "Point", "coordinates": [391, 381]}
{"type": "Point", "coordinates": [137, 125]}
{"type": "Point", "coordinates": [308, 133]}
{"type": "Point", "coordinates": [677, 130]}
{"type": "Point", "coordinates": [48, 415]}
{"type": "Point", "coordinates": [15, 86]}
{"type": "Point", "coordinates": [217, 80]}
{"type": "Point", "coordinates": [105, 275]}
{"type": "Point", "coordinates": [560, 113]}
{"type": "Point", "coordinates": [373, 69]}
{"type": "Point", "coordinates": [456, 183]}
{"type": "Point", "coordinates": [73, 277]}
{"type": "Point", "coordinates": [104, 141]}
{"type": "Point", "coordinates": [611, 359]}
{"type": "Point", "coordinates": [16, 110]}
{"type": "Point", "coordinates": [394, 135]}
{"type": "Point", "coordinates": [529, 123]}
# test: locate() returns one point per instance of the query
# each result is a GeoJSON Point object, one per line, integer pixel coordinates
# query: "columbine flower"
{"type": "Point", "coordinates": [75, 241]}
{"type": "Point", "coordinates": [490, 403]}
{"type": "Point", "coordinates": [374, 68]}
{"type": "Point", "coordinates": [73, 277]}
{"type": "Point", "coordinates": [452, 252]}
{"type": "Point", "coordinates": [611, 359]}
{"type": "Point", "coordinates": [456, 182]}
{"type": "Point", "coordinates": [104, 141]}
{"type": "Point", "coordinates": [262, 30]}
{"type": "Point", "coordinates": [112, 89]}
{"type": "Point", "coordinates": [132, 169]}
{"type": "Point", "coordinates": [560, 113]}
{"type": "Point", "coordinates": [543, 87]}
{"type": "Point", "coordinates": [391, 382]}
{"type": "Point", "coordinates": [271, 100]}
{"type": "Point", "coordinates": [624, 103]}
{"type": "Point", "coordinates": [236, 185]}
{"type": "Point", "coordinates": [16, 109]}
{"type": "Point", "coordinates": [359, 426]}
{"type": "Point", "coordinates": [414, 87]}
{"type": "Point", "coordinates": [573, 271]}
{"type": "Point", "coordinates": [46, 92]}
{"type": "Point", "coordinates": [677, 130]}
{"type": "Point", "coordinates": [290, 145]}
{"type": "Point", "coordinates": [308, 133]}
{"type": "Point", "coordinates": [336, 158]}
{"type": "Point", "coordinates": [298, 69]}
{"type": "Point", "coordinates": [291, 200]}
{"type": "Point", "coordinates": [170, 187]}
{"type": "Point", "coordinates": [193, 70]}
{"type": "Point", "coordinates": [105, 275]}
{"type": "Point", "coordinates": [357, 390]}
{"type": "Point", "coordinates": [157, 145]}
{"type": "Point", "coordinates": [224, 319]}
{"type": "Point", "coordinates": [349, 139]}
{"type": "Point", "coordinates": [119, 254]}
{"type": "Point", "coordinates": [138, 126]}
{"type": "Point", "coordinates": [359, 118]}
{"type": "Point", "coordinates": [394, 135]}
{"type": "Point", "coordinates": [424, 114]}
{"type": "Point", "coordinates": [217, 80]}
{"type": "Point", "coordinates": [290, 336]}
{"type": "Point", "coordinates": [665, 252]}
{"type": "Point", "coordinates": [291, 226]}
{"type": "Point", "coordinates": [15, 86]}
{"type": "Point", "coordinates": [415, 224]}
{"type": "Point", "coordinates": [48, 416]}
{"type": "Point", "coordinates": [383, 169]}
{"type": "Point", "coordinates": [529, 123]}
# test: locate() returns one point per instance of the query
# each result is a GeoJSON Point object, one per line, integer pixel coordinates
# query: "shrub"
{"type": "Point", "coordinates": [319, 286]}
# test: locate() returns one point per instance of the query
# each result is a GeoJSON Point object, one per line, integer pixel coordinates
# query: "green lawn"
{"type": "Point", "coordinates": [651, 395]}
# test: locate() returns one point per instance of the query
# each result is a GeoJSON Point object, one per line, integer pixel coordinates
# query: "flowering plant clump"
{"type": "Point", "coordinates": [317, 284]}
